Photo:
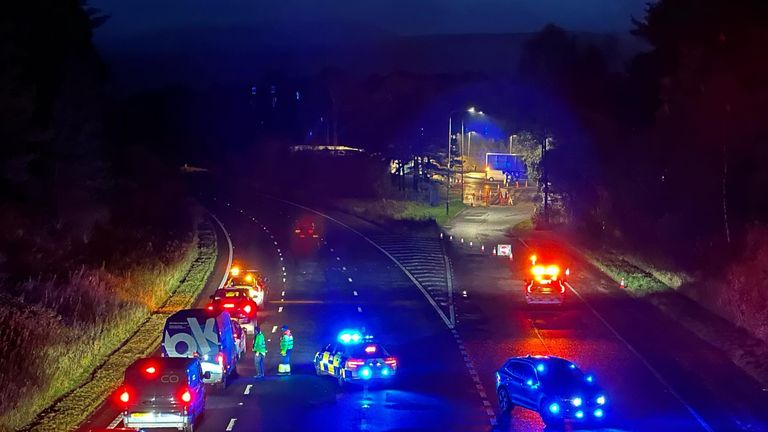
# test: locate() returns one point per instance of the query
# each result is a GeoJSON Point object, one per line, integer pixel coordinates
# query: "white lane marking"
{"type": "Point", "coordinates": [283, 269]}
{"type": "Point", "coordinates": [421, 288]}
{"type": "Point", "coordinates": [115, 422]}
{"type": "Point", "coordinates": [338, 258]}
{"type": "Point", "coordinates": [229, 246]}
{"type": "Point", "coordinates": [283, 280]}
{"type": "Point", "coordinates": [274, 329]}
{"type": "Point", "coordinates": [275, 242]}
{"type": "Point", "coordinates": [359, 309]}
{"type": "Point", "coordinates": [280, 309]}
{"type": "Point", "coordinates": [349, 279]}
{"type": "Point", "coordinates": [704, 425]}
{"type": "Point", "coordinates": [231, 424]}
{"type": "Point", "coordinates": [449, 281]}
{"type": "Point", "coordinates": [282, 294]}
{"type": "Point", "coordinates": [343, 268]}
{"type": "Point", "coordinates": [354, 293]}
{"type": "Point", "coordinates": [248, 389]}
{"type": "Point", "coordinates": [331, 249]}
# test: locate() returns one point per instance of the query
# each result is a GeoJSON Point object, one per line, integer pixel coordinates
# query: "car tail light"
{"type": "Point", "coordinates": [529, 288]}
{"type": "Point", "coordinates": [355, 363]}
{"type": "Point", "coordinates": [562, 288]}
{"type": "Point", "coordinates": [370, 349]}
{"type": "Point", "coordinates": [151, 370]}
{"type": "Point", "coordinates": [210, 307]}
{"type": "Point", "coordinates": [390, 361]}
{"type": "Point", "coordinates": [297, 231]}
{"type": "Point", "coordinates": [186, 396]}
{"type": "Point", "coordinates": [229, 305]}
{"type": "Point", "coordinates": [124, 396]}
{"type": "Point", "coordinates": [247, 309]}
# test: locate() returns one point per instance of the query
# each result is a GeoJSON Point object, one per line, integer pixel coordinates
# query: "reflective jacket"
{"type": "Point", "coordinates": [259, 346]}
{"type": "Point", "coordinates": [286, 341]}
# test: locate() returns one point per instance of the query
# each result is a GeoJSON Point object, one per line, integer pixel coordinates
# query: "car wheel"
{"type": "Point", "coordinates": [505, 403]}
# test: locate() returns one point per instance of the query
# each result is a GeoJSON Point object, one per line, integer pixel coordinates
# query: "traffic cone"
{"type": "Point", "coordinates": [494, 250]}
{"type": "Point", "coordinates": [622, 285]}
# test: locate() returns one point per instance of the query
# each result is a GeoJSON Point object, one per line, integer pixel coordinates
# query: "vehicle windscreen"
{"type": "Point", "coordinates": [561, 374]}
{"type": "Point", "coordinates": [368, 350]}
{"type": "Point", "coordinates": [230, 294]}
{"type": "Point", "coordinates": [158, 383]}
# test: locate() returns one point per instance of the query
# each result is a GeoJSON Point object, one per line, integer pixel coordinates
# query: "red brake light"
{"type": "Point", "coordinates": [370, 349]}
{"type": "Point", "coordinates": [562, 288]}
{"type": "Point", "coordinates": [229, 305]}
{"type": "Point", "coordinates": [186, 396]}
{"type": "Point", "coordinates": [150, 370]}
{"type": "Point", "coordinates": [210, 307]}
{"type": "Point", "coordinates": [247, 309]}
{"type": "Point", "coordinates": [354, 363]}
{"type": "Point", "coordinates": [125, 397]}
{"type": "Point", "coordinates": [391, 361]}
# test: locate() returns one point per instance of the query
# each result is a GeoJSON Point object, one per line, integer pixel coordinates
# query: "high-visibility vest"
{"type": "Point", "coordinates": [286, 342]}
{"type": "Point", "coordinates": [259, 346]}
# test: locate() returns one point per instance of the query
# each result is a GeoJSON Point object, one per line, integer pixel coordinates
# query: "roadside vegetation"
{"type": "Point", "coordinates": [384, 210]}
{"type": "Point", "coordinates": [95, 231]}
{"type": "Point", "coordinates": [135, 340]}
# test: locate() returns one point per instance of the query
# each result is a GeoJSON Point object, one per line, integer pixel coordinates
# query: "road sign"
{"type": "Point", "coordinates": [504, 250]}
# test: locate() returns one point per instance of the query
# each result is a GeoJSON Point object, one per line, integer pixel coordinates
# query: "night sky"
{"type": "Point", "coordinates": [398, 16]}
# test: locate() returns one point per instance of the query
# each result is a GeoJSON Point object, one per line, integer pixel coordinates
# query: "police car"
{"type": "Point", "coordinates": [162, 392]}
{"type": "Point", "coordinates": [355, 357]}
{"type": "Point", "coordinates": [554, 387]}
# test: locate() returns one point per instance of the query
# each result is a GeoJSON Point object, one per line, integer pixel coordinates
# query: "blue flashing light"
{"type": "Point", "coordinates": [540, 367]}
{"type": "Point", "coordinates": [529, 383]}
{"type": "Point", "coordinates": [599, 413]}
{"type": "Point", "coordinates": [600, 400]}
{"type": "Point", "coordinates": [590, 378]}
{"type": "Point", "coordinates": [385, 372]}
{"type": "Point", "coordinates": [572, 366]}
{"type": "Point", "coordinates": [350, 337]}
{"type": "Point", "coordinates": [554, 408]}
{"type": "Point", "coordinates": [579, 414]}
{"type": "Point", "coordinates": [365, 373]}
{"type": "Point", "coordinates": [577, 401]}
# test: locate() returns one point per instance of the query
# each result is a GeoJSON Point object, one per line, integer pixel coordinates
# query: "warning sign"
{"type": "Point", "coordinates": [504, 250]}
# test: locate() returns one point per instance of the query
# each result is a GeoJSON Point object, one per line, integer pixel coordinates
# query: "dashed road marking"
{"type": "Point", "coordinates": [248, 389]}
{"type": "Point", "coordinates": [115, 422]}
{"type": "Point", "coordinates": [274, 329]}
{"type": "Point", "coordinates": [231, 425]}
{"type": "Point", "coordinates": [280, 309]}
{"type": "Point", "coordinates": [354, 293]}
{"type": "Point", "coordinates": [282, 294]}
{"type": "Point", "coordinates": [359, 309]}
{"type": "Point", "coordinates": [349, 279]}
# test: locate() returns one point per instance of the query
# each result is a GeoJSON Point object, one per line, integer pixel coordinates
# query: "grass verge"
{"type": "Point", "coordinates": [660, 288]}
{"type": "Point", "coordinates": [385, 209]}
{"type": "Point", "coordinates": [70, 410]}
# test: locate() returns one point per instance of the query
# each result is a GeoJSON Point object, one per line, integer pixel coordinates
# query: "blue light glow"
{"type": "Point", "coordinates": [600, 400]}
{"type": "Point", "coordinates": [554, 408]}
{"type": "Point", "coordinates": [350, 336]}
{"type": "Point", "coordinates": [577, 401]}
{"type": "Point", "coordinates": [599, 413]}
{"type": "Point", "coordinates": [540, 367]}
{"type": "Point", "coordinates": [579, 414]}
{"type": "Point", "coordinates": [529, 382]}
{"type": "Point", "coordinates": [365, 373]}
{"type": "Point", "coordinates": [572, 366]}
{"type": "Point", "coordinates": [589, 378]}
{"type": "Point", "coordinates": [385, 372]}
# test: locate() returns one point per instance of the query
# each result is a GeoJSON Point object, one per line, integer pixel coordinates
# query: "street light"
{"type": "Point", "coordinates": [470, 110]}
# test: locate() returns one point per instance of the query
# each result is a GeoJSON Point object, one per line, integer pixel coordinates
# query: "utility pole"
{"type": "Point", "coordinates": [546, 182]}
{"type": "Point", "coordinates": [462, 161]}
{"type": "Point", "coordinates": [448, 175]}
